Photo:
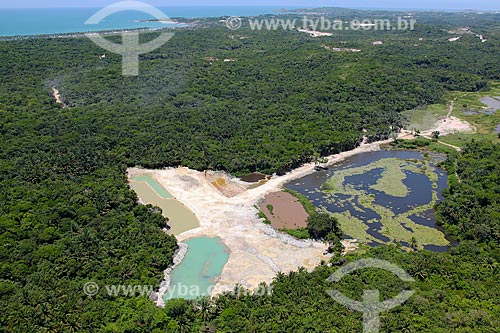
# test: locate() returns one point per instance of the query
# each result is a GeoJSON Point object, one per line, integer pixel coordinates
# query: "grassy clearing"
{"type": "Point", "coordinates": [461, 139]}
{"type": "Point", "coordinates": [470, 101]}
{"type": "Point", "coordinates": [424, 144]}
{"type": "Point", "coordinates": [484, 123]}
{"type": "Point", "coordinates": [438, 147]}
{"type": "Point", "coordinates": [424, 119]}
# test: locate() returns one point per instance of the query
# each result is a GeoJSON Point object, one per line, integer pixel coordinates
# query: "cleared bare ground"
{"type": "Point", "coordinates": [257, 251]}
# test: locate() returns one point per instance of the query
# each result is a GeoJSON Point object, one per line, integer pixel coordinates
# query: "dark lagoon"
{"type": "Point", "coordinates": [382, 197]}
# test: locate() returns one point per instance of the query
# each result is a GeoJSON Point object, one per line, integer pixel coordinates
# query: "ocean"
{"type": "Point", "coordinates": [48, 21]}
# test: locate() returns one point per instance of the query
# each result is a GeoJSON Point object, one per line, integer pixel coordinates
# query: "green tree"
{"type": "Point", "coordinates": [322, 225]}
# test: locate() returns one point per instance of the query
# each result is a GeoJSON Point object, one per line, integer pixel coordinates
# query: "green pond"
{"type": "Point", "coordinates": [200, 269]}
{"type": "Point", "coordinates": [181, 219]}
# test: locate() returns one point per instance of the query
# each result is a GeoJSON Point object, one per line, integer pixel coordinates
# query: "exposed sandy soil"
{"type": "Point", "coordinates": [228, 186]}
{"type": "Point", "coordinates": [350, 245]}
{"type": "Point", "coordinates": [287, 212]}
{"type": "Point", "coordinates": [450, 125]}
{"type": "Point", "coordinates": [257, 251]}
{"type": "Point", "coordinates": [340, 49]}
{"type": "Point", "coordinates": [315, 34]}
{"type": "Point", "coordinates": [406, 135]}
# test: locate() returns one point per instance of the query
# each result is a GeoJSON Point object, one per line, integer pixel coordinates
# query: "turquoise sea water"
{"type": "Point", "coordinates": [42, 21]}
{"type": "Point", "coordinates": [199, 270]}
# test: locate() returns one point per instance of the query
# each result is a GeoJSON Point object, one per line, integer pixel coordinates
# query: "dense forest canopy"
{"type": "Point", "coordinates": [67, 215]}
{"type": "Point", "coordinates": [474, 185]}
{"type": "Point", "coordinates": [283, 98]}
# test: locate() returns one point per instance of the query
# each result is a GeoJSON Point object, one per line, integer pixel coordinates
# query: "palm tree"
{"type": "Point", "coordinates": [203, 306]}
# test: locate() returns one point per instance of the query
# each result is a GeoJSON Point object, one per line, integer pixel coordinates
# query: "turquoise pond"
{"type": "Point", "coordinates": [200, 269]}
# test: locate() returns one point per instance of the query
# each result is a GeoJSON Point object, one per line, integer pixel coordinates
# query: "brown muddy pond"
{"type": "Point", "coordinates": [284, 211]}
{"type": "Point", "coordinates": [254, 177]}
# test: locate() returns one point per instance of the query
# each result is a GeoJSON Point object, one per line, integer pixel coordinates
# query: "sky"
{"type": "Point", "coordinates": [397, 4]}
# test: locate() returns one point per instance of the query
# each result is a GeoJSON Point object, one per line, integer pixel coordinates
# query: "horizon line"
{"type": "Point", "coordinates": [280, 6]}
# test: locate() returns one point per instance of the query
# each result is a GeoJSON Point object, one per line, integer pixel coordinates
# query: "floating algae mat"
{"type": "Point", "coordinates": [181, 219]}
{"type": "Point", "coordinates": [200, 269]}
{"type": "Point", "coordinates": [382, 197]}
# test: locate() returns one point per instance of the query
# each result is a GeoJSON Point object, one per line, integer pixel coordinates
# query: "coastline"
{"type": "Point", "coordinates": [79, 34]}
